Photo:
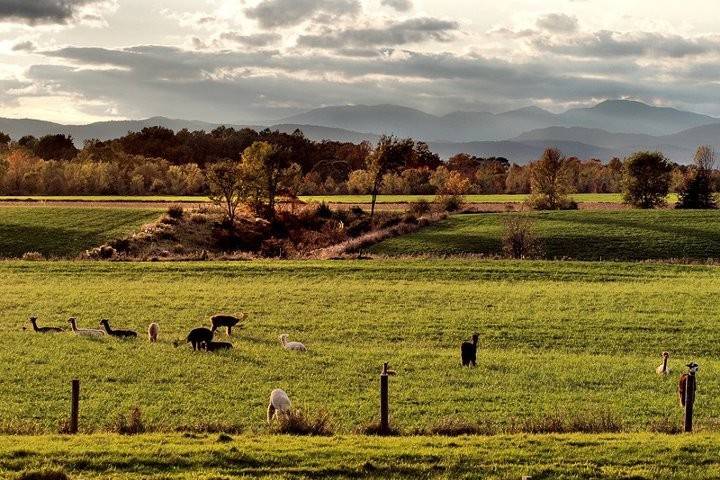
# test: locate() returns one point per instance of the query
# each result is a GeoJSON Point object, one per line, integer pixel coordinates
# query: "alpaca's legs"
{"type": "Point", "coordinates": [270, 412]}
{"type": "Point", "coordinates": [229, 330]}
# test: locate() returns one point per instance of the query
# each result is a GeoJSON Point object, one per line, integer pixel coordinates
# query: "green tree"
{"type": "Point", "coordinates": [551, 181]}
{"type": "Point", "coordinates": [265, 170]}
{"type": "Point", "coordinates": [389, 155]}
{"type": "Point", "coordinates": [696, 190]}
{"type": "Point", "coordinates": [646, 179]}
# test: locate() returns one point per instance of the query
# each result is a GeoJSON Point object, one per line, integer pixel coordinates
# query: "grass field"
{"type": "Point", "coordinates": [556, 337]}
{"type": "Point", "coordinates": [63, 232]}
{"type": "Point", "coordinates": [636, 456]}
{"type": "Point", "coordinates": [583, 235]}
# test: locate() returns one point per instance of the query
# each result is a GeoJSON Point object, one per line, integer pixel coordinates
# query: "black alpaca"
{"type": "Point", "coordinates": [117, 333]}
{"type": "Point", "coordinates": [227, 321]}
{"type": "Point", "coordinates": [468, 351]}
{"type": "Point", "coordinates": [33, 320]}
{"type": "Point", "coordinates": [199, 336]}
{"type": "Point", "coordinates": [215, 346]}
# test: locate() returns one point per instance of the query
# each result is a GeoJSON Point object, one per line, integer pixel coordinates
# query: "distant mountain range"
{"type": "Point", "coordinates": [611, 128]}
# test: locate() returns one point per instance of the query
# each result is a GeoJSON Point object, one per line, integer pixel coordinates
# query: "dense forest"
{"type": "Point", "coordinates": [159, 161]}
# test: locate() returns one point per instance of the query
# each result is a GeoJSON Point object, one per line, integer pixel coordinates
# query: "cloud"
{"type": "Point", "coordinates": [399, 5]}
{"type": "Point", "coordinates": [607, 44]}
{"type": "Point", "coordinates": [26, 46]}
{"type": "Point", "coordinates": [253, 40]}
{"type": "Point", "coordinates": [414, 30]}
{"type": "Point", "coordinates": [35, 12]}
{"type": "Point", "coordinates": [283, 13]}
{"type": "Point", "coordinates": [558, 23]}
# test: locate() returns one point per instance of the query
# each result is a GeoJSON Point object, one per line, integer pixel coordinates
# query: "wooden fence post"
{"type": "Point", "coordinates": [75, 406]}
{"type": "Point", "coordinates": [690, 399]}
{"type": "Point", "coordinates": [384, 402]}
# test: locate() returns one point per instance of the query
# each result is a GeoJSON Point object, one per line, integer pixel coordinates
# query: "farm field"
{"type": "Point", "coordinates": [637, 456]}
{"type": "Point", "coordinates": [65, 231]}
{"type": "Point", "coordinates": [556, 339]}
{"type": "Point", "coordinates": [582, 235]}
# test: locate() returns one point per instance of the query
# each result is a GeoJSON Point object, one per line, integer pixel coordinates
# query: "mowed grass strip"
{"type": "Point", "coordinates": [638, 456]}
{"type": "Point", "coordinates": [556, 337]}
{"type": "Point", "coordinates": [581, 235]}
{"type": "Point", "coordinates": [65, 232]}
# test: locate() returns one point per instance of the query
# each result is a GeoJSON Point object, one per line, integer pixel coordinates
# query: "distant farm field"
{"type": "Point", "coordinates": [65, 232]}
{"type": "Point", "coordinates": [582, 235]}
{"type": "Point", "coordinates": [616, 456]}
{"type": "Point", "coordinates": [555, 338]}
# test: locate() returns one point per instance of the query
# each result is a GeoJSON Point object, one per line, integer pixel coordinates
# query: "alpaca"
{"type": "Point", "coordinates": [199, 336]}
{"type": "Point", "coordinates": [468, 351]}
{"type": "Point", "coordinates": [291, 345]}
{"type": "Point", "coordinates": [682, 385]}
{"type": "Point", "coordinates": [215, 346]}
{"type": "Point", "coordinates": [279, 402]}
{"type": "Point", "coordinates": [84, 332]}
{"type": "Point", "coordinates": [663, 369]}
{"type": "Point", "coordinates": [33, 320]}
{"type": "Point", "coordinates": [117, 333]}
{"type": "Point", "coordinates": [227, 321]}
{"type": "Point", "coordinates": [153, 331]}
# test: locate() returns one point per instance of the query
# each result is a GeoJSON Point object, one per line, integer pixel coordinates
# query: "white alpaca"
{"type": "Point", "coordinates": [291, 345]}
{"type": "Point", "coordinates": [663, 369]}
{"type": "Point", "coordinates": [153, 331]}
{"type": "Point", "coordinates": [84, 332]}
{"type": "Point", "coordinates": [279, 402]}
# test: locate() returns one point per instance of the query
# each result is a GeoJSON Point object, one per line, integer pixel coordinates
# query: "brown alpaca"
{"type": "Point", "coordinates": [153, 331]}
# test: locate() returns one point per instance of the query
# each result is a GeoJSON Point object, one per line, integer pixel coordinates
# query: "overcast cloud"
{"type": "Point", "coordinates": [255, 61]}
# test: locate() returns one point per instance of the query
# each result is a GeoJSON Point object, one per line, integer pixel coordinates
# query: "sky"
{"type": "Point", "coordinates": [258, 61]}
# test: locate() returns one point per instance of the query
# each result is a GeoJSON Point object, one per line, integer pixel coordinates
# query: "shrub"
{"type": "Point", "coordinates": [541, 202]}
{"type": "Point", "coordinates": [410, 218]}
{"type": "Point", "coordinates": [323, 210]}
{"type": "Point", "coordinates": [357, 211]}
{"type": "Point", "coordinates": [373, 428]}
{"type": "Point", "coordinates": [550, 182]}
{"type": "Point", "coordinates": [358, 227]}
{"type": "Point", "coordinates": [199, 218]}
{"type": "Point", "coordinates": [131, 424]}
{"type": "Point", "coordinates": [33, 256]}
{"type": "Point", "coordinates": [43, 475]}
{"type": "Point", "coordinates": [420, 208]}
{"type": "Point", "coordinates": [296, 422]}
{"type": "Point", "coordinates": [224, 438]}
{"type": "Point", "coordinates": [666, 425]}
{"type": "Point", "coordinates": [175, 211]}
{"type": "Point", "coordinates": [580, 422]}
{"type": "Point", "coordinates": [449, 203]}
{"type": "Point", "coordinates": [696, 190]}
{"type": "Point", "coordinates": [519, 239]}
{"type": "Point", "coordinates": [167, 220]}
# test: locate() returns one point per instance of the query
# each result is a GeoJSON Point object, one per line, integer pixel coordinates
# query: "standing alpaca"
{"type": "Point", "coordinates": [33, 320]}
{"type": "Point", "coordinates": [227, 321]}
{"type": "Point", "coordinates": [199, 336]}
{"type": "Point", "coordinates": [279, 402]}
{"type": "Point", "coordinates": [682, 385]}
{"type": "Point", "coordinates": [153, 331]}
{"type": "Point", "coordinates": [291, 345]}
{"type": "Point", "coordinates": [663, 369]}
{"type": "Point", "coordinates": [468, 351]}
{"type": "Point", "coordinates": [84, 332]}
{"type": "Point", "coordinates": [117, 333]}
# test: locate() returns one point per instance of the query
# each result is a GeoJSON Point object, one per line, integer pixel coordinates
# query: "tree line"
{"type": "Point", "coordinates": [157, 160]}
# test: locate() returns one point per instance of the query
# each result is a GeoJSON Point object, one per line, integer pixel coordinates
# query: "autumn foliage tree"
{"type": "Point", "coordinates": [389, 155]}
{"type": "Point", "coordinates": [696, 190]}
{"type": "Point", "coordinates": [226, 187]}
{"type": "Point", "coordinates": [551, 182]}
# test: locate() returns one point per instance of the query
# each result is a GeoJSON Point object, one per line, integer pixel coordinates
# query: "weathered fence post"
{"type": "Point", "coordinates": [74, 406]}
{"type": "Point", "coordinates": [384, 402]}
{"type": "Point", "coordinates": [690, 388]}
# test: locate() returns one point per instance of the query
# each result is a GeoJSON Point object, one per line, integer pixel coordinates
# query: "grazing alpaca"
{"type": "Point", "coordinates": [279, 402]}
{"type": "Point", "coordinates": [682, 385]}
{"type": "Point", "coordinates": [215, 346]}
{"type": "Point", "coordinates": [227, 321]}
{"type": "Point", "coordinates": [117, 333]}
{"type": "Point", "coordinates": [468, 351]}
{"type": "Point", "coordinates": [199, 336]}
{"type": "Point", "coordinates": [84, 332]}
{"type": "Point", "coordinates": [291, 345]}
{"type": "Point", "coordinates": [33, 320]}
{"type": "Point", "coordinates": [153, 331]}
{"type": "Point", "coordinates": [663, 369]}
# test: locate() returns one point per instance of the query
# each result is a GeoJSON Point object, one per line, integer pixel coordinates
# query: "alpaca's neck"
{"type": "Point", "coordinates": [665, 360]}
{"type": "Point", "coordinates": [284, 341]}
{"type": "Point", "coordinates": [73, 326]}
{"type": "Point", "coordinates": [35, 327]}
{"type": "Point", "coordinates": [107, 328]}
